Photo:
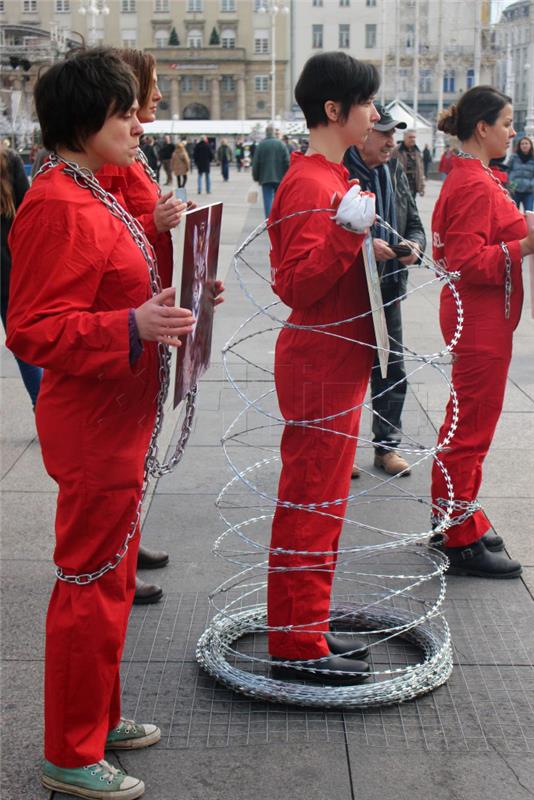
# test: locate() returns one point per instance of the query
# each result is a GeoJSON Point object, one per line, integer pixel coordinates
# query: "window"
{"type": "Point", "coordinates": [262, 83]}
{"type": "Point", "coordinates": [317, 36]}
{"type": "Point", "coordinates": [261, 42]}
{"type": "Point", "coordinates": [410, 37]}
{"type": "Point", "coordinates": [227, 83]}
{"type": "Point", "coordinates": [62, 6]}
{"type": "Point", "coordinates": [470, 82]}
{"type": "Point", "coordinates": [370, 3]}
{"type": "Point", "coordinates": [228, 38]}
{"type": "Point", "coordinates": [449, 80]}
{"type": "Point", "coordinates": [344, 3]}
{"type": "Point", "coordinates": [2, 9]}
{"type": "Point", "coordinates": [194, 38]}
{"type": "Point", "coordinates": [425, 81]}
{"type": "Point", "coordinates": [29, 6]}
{"type": "Point", "coordinates": [260, 105]}
{"type": "Point", "coordinates": [203, 84]}
{"type": "Point", "coordinates": [258, 4]}
{"type": "Point", "coordinates": [227, 6]}
{"type": "Point", "coordinates": [194, 6]}
{"type": "Point", "coordinates": [317, 3]}
{"type": "Point", "coordinates": [370, 36]}
{"type": "Point", "coordinates": [161, 6]}
{"type": "Point", "coordinates": [344, 36]}
{"type": "Point", "coordinates": [129, 39]}
{"type": "Point", "coordinates": [128, 7]}
{"type": "Point", "coordinates": [161, 38]}
{"type": "Point", "coordinates": [186, 83]}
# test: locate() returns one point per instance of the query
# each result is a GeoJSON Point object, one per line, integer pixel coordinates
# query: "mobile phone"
{"type": "Point", "coordinates": [401, 250]}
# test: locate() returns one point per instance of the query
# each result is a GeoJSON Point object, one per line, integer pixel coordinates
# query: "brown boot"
{"type": "Point", "coordinates": [356, 471]}
{"type": "Point", "coordinates": [392, 463]}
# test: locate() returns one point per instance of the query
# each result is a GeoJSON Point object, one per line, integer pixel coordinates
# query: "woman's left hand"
{"type": "Point", "coordinates": [217, 290]}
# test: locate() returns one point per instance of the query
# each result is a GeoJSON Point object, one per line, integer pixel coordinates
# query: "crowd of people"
{"type": "Point", "coordinates": [86, 296]}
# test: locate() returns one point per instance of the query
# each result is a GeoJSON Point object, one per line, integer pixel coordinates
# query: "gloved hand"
{"type": "Point", "coordinates": [356, 210]}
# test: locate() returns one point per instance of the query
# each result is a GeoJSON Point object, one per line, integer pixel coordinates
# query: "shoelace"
{"type": "Point", "coordinates": [108, 771]}
{"type": "Point", "coordinates": [127, 724]}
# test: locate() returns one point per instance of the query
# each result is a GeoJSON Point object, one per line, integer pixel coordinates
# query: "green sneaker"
{"type": "Point", "coordinates": [99, 781]}
{"type": "Point", "coordinates": [129, 735]}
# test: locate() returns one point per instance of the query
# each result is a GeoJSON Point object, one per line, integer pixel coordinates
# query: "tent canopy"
{"type": "Point", "coordinates": [404, 113]}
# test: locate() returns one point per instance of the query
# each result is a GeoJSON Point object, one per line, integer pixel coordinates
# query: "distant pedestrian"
{"type": "Point", "coordinates": [411, 159]}
{"type": "Point", "coordinates": [203, 156]}
{"type": "Point", "coordinates": [427, 159]}
{"type": "Point", "coordinates": [445, 162]}
{"type": "Point", "coordinates": [180, 164]}
{"type": "Point", "coordinates": [147, 146]}
{"type": "Point", "coordinates": [521, 174]}
{"type": "Point", "coordinates": [269, 166]}
{"type": "Point", "coordinates": [190, 147]}
{"type": "Point", "coordinates": [38, 160]}
{"type": "Point", "coordinates": [165, 154]}
{"type": "Point", "coordinates": [13, 186]}
{"type": "Point", "coordinates": [224, 156]}
{"type": "Point", "coordinates": [239, 152]}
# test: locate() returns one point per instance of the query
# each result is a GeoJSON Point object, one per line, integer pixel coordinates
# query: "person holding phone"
{"type": "Point", "coordinates": [372, 164]}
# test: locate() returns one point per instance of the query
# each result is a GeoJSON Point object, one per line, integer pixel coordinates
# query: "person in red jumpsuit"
{"type": "Point", "coordinates": [478, 232]}
{"type": "Point", "coordinates": [318, 271]}
{"type": "Point", "coordinates": [83, 308]}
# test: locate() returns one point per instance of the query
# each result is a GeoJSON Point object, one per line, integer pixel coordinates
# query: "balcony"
{"type": "Point", "coordinates": [199, 54]}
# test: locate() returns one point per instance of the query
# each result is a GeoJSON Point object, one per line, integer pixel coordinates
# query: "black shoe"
{"type": "Point", "coordinates": [321, 674]}
{"type": "Point", "coordinates": [346, 646]}
{"type": "Point", "coordinates": [475, 559]}
{"type": "Point", "coordinates": [493, 541]}
{"type": "Point", "coordinates": [146, 593]}
{"type": "Point", "coordinates": [151, 559]}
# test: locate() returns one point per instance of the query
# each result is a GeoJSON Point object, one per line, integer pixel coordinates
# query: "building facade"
{"type": "Point", "coordinates": [446, 43]}
{"type": "Point", "coordinates": [215, 57]}
{"type": "Point", "coordinates": [514, 44]}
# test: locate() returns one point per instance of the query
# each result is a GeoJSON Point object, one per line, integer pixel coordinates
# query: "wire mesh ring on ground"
{"type": "Point", "coordinates": [432, 637]}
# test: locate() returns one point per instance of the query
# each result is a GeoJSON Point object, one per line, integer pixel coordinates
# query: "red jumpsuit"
{"type": "Point", "coordinates": [139, 194]}
{"type": "Point", "coordinates": [76, 272]}
{"type": "Point", "coordinates": [472, 217]}
{"type": "Point", "coordinates": [318, 272]}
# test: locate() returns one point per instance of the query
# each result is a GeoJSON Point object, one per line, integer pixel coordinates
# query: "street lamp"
{"type": "Point", "coordinates": [273, 9]}
{"type": "Point", "coordinates": [93, 9]}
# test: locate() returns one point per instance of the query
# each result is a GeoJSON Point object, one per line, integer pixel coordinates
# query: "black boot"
{"type": "Point", "coordinates": [475, 559]}
{"type": "Point", "coordinates": [493, 541]}
{"type": "Point", "coordinates": [151, 559]}
{"type": "Point", "coordinates": [328, 671]}
{"type": "Point", "coordinates": [146, 593]}
{"type": "Point", "coordinates": [341, 645]}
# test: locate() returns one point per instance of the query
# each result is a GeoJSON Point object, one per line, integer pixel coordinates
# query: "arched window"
{"type": "Point", "coordinates": [194, 38]}
{"type": "Point", "coordinates": [228, 38]}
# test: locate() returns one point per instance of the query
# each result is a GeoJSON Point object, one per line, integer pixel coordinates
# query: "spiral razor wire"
{"type": "Point", "coordinates": [389, 584]}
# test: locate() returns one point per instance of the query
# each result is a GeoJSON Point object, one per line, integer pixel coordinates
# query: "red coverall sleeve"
{"type": "Point", "coordinates": [58, 271]}
{"type": "Point", "coordinates": [314, 252]}
{"type": "Point", "coordinates": [468, 238]}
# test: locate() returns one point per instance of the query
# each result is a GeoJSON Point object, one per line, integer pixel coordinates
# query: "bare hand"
{"type": "Point", "coordinates": [413, 258]}
{"type": "Point", "coordinates": [168, 212]}
{"type": "Point", "coordinates": [158, 320]}
{"type": "Point", "coordinates": [527, 244]}
{"type": "Point", "coordinates": [382, 250]}
{"type": "Point", "coordinates": [217, 290]}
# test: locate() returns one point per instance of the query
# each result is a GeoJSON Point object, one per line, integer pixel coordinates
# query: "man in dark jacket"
{"type": "Point", "coordinates": [165, 154]}
{"type": "Point", "coordinates": [394, 204]}
{"type": "Point", "coordinates": [411, 159]}
{"type": "Point", "coordinates": [203, 156]}
{"type": "Point", "coordinates": [271, 160]}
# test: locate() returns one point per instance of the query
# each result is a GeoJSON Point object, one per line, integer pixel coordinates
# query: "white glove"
{"type": "Point", "coordinates": [356, 210]}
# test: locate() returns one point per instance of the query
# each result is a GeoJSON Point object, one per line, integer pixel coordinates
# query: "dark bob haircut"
{"type": "Point", "coordinates": [479, 104]}
{"type": "Point", "coordinates": [334, 76]}
{"type": "Point", "coordinates": [74, 98]}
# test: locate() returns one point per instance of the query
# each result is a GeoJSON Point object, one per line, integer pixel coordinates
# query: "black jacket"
{"type": "Point", "coordinates": [202, 156]}
{"type": "Point", "coordinates": [409, 223]}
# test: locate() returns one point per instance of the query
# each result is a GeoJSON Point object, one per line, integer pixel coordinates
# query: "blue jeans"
{"type": "Point", "coordinates": [208, 182]}
{"type": "Point", "coordinates": [527, 198]}
{"type": "Point", "coordinates": [268, 190]}
{"type": "Point", "coordinates": [31, 375]}
{"type": "Point", "coordinates": [225, 170]}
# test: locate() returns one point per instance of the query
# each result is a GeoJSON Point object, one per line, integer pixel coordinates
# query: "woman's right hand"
{"type": "Point", "coordinates": [159, 320]}
{"type": "Point", "coordinates": [168, 212]}
{"type": "Point", "coordinates": [527, 244]}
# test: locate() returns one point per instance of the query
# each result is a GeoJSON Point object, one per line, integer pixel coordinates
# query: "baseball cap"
{"type": "Point", "coordinates": [386, 122]}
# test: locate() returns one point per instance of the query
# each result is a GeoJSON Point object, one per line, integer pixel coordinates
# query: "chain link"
{"type": "Point", "coordinates": [469, 507]}
{"type": "Point", "coordinates": [508, 288]}
{"type": "Point", "coordinates": [85, 179]}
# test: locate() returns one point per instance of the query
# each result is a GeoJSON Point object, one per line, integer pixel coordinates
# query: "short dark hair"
{"type": "Point", "coordinates": [479, 104]}
{"type": "Point", "coordinates": [334, 76]}
{"type": "Point", "coordinates": [74, 98]}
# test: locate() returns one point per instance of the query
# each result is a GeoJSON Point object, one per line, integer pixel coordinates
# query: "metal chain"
{"type": "Point", "coordinates": [469, 507]}
{"type": "Point", "coordinates": [148, 169]}
{"type": "Point", "coordinates": [508, 288]}
{"type": "Point", "coordinates": [85, 179]}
